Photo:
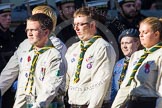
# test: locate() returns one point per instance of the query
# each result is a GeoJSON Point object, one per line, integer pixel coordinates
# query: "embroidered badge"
{"type": "Point", "coordinates": [29, 58]}
{"type": "Point", "coordinates": [72, 60]}
{"type": "Point", "coordinates": [26, 74]}
{"type": "Point", "coordinates": [58, 73]}
{"type": "Point", "coordinates": [119, 65]}
{"type": "Point", "coordinates": [89, 65]}
{"type": "Point", "coordinates": [89, 58]}
{"type": "Point", "coordinates": [42, 74]}
{"type": "Point", "coordinates": [21, 59]}
{"type": "Point", "coordinates": [147, 68]}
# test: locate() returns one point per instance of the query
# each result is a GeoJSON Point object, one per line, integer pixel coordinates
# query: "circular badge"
{"type": "Point", "coordinates": [89, 65]}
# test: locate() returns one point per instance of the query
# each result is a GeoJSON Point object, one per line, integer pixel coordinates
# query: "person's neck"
{"type": "Point", "coordinates": [127, 57]}
{"type": "Point", "coordinates": [41, 44]}
{"type": "Point", "coordinates": [63, 17]}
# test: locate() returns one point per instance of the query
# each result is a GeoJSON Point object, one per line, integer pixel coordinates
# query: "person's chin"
{"type": "Point", "coordinates": [31, 41]}
{"type": "Point", "coordinates": [80, 37]}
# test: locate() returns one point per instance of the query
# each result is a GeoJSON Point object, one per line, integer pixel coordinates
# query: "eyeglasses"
{"type": "Point", "coordinates": [80, 24]}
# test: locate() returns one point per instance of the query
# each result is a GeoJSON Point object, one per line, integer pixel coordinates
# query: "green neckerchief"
{"type": "Point", "coordinates": [142, 58]}
{"type": "Point", "coordinates": [125, 66]}
{"type": "Point", "coordinates": [83, 50]}
{"type": "Point", "coordinates": [33, 66]}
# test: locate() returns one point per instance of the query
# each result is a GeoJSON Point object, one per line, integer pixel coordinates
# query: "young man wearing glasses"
{"type": "Point", "coordinates": [40, 73]}
{"type": "Point", "coordinates": [90, 62]}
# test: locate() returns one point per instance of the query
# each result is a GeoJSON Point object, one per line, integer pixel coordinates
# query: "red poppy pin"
{"type": "Point", "coordinates": [29, 58]}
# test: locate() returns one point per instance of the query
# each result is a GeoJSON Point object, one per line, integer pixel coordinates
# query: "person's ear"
{"type": "Point", "coordinates": [157, 34]}
{"type": "Point", "coordinates": [46, 32]}
{"type": "Point", "coordinates": [92, 24]}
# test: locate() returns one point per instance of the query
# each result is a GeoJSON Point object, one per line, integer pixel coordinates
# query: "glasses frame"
{"type": "Point", "coordinates": [81, 24]}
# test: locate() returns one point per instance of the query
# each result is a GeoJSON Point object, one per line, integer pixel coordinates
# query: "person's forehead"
{"type": "Point", "coordinates": [71, 4]}
{"type": "Point", "coordinates": [35, 23]}
{"type": "Point", "coordinates": [80, 17]}
{"type": "Point", "coordinates": [127, 37]}
{"type": "Point", "coordinates": [5, 13]}
{"type": "Point", "coordinates": [129, 3]}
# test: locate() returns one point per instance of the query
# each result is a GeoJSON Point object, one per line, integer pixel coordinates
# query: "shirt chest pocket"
{"type": "Point", "coordinates": [148, 72]}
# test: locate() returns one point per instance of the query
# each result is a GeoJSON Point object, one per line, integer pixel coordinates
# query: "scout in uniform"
{"type": "Point", "coordinates": [90, 63]}
{"type": "Point", "coordinates": [127, 17]}
{"type": "Point", "coordinates": [27, 8]}
{"type": "Point", "coordinates": [12, 69]}
{"type": "Point", "coordinates": [141, 87]}
{"type": "Point", "coordinates": [40, 74]}
{"type": "Point", "coordinates": [129, 43]}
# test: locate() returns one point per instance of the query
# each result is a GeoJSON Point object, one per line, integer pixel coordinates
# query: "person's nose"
{"type": "Point", "coordinates": [133, 7]}
{"type": "Point", "coordinates": [76, 28]}
{"type": "Point", "coordinates": [8, 17]}
{"type": "Point", "coordinates": [29, 33]}
{"type": "Point", "coordinates": [125, 45]}
{"type": "Point", "coordinates": [72, 9]}
{"type": "Point", "coordinates": [140, 35]}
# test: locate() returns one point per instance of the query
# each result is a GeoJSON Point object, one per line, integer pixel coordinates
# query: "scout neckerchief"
{"type": "Point", "coordinates": [83, 50]}
{"type": "Point", "coordinates": [33, 66]}
{"type": "Point", "coordinates": [126, 61]}
{"type": "Point", "coordinates": [156, 47]}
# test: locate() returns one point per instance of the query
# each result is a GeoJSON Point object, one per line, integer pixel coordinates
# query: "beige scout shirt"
{"type": "Point", "coordinates": [95, 74]}
{"type": "Point", "coordinates": [47, 78]}
{"type": "Point", "coordinates": [147, 82]}
{"type": "Point", "coordinates": [11, 70]}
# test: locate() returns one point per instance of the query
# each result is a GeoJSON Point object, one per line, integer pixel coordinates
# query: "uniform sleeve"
{"type": "Point", "coordinates": [159, 84]}
{"type": "Point", "coordinates": [121, 97]}
{"type": "Point", "coordinates": [9, 73]}
{"type": "Point", "coordinates": [116, 75]}
{"type": "Point", "coordinates": [124, 91]}
{"type": "Point", "coordinates": [52, 82]}
{"type": "Point", "coordinates": [101, 75]}
{"type": "Point", "coordinates": [59, 45]}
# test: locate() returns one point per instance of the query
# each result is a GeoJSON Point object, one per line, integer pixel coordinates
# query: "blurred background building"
{"type": "Point", "coordinates": [20, 13]}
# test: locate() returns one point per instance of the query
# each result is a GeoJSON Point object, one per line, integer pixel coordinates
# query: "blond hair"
{"type": "Point", "coordinates": [155, 24]}
{"type": "Point", "coordinates": [48, 11]}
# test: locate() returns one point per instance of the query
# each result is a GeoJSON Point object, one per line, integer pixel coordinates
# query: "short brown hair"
{"type": "Point", "coordinates": [44, 20]}
{"type": "Point", "coordinates": [91, 12]}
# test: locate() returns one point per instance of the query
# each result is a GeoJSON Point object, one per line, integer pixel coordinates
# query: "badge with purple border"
{"type": "Point", "coordinates": [90, 62]}
{"type": "Point", "coordinates": [89, 65]}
